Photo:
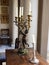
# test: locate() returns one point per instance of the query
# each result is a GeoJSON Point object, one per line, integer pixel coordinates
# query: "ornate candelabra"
{"type": "Point", "coordinates": [23, 23]}
{"type": "Point", "coordinates": [23, 28]}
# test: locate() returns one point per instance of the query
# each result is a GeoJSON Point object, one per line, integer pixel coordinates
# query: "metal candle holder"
{"type": "Point", "coordinates": [23, 27]}
{"type": "Point", "coordinates": [34, 59]}
{"type": "Point", "coordinates": [21, 21]}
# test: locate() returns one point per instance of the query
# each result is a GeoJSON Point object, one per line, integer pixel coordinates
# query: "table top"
{"type": "Point", "coordinates": [14, 59]}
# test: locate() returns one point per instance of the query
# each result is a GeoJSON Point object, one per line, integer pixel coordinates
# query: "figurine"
{"type": "Point", "coordinates": [17, 43]}
{"type": "Point", "coordinates": [24, 38]}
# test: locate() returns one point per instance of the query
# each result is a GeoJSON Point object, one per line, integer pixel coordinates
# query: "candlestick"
{"type": "Point", "coordinates": [34, 59]}
{"type": "Point", "coordinates": [30, 12]}
{"type": "Point", "coordinates": [16, 13]}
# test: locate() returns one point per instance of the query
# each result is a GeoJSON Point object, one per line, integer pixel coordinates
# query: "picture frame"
{"type": "Point", "coordinates": [4, 19]}
{"type": "Point", "coordinates": [4, 10]}
{"type": "Point", "coordinates": [4, 32]}
{"type": "Point", "coordinates": [4, 2]}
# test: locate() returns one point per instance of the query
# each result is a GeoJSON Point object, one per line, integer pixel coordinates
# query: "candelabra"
{"type": "Point", "coordinates": [23, 23]}
{"type": "Point", "coordinates": [23, 28]}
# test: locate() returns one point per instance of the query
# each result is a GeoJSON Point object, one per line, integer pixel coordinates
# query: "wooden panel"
{"type": "Point", "coordinates": [0, 2]}
{"type": "Point", "coordinates": [4, 2]}
{"type": "Point", "coordinates": [5, 32]}
{"type": "Point", "coordinates": [0, 31]}
{"type": "Point", "coordinates": [14, 59]}
{"type": "Point", "coordinates": [4, 10]}
{"type": "Point", "coordinates": [4, 19]}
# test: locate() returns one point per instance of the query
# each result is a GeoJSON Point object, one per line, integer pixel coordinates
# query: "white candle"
{"type": "Point", "coordinates": [33, 36]}
{"type": "Point", "coordinates": [16, 12]}
{"type": "Point", "coordinates": [20, 12]}
{"type": "Point", "coordinates": [30, 11]}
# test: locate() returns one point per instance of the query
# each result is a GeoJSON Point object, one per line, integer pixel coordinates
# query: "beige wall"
{"type": "Point", "coordinates": [43, 22]}
{"type": "Point", "coordinates": [48, 30]}
{"type": "Point", "coordinates": [44, 31]}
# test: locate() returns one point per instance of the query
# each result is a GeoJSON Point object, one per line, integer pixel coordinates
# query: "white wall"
{"type": "Point", "coordinates": [15, 13]}
{"type": "Point", "coordinates": [33, 28]}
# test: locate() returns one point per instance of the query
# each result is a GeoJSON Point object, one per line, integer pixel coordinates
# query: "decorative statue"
{"type": "Point", "coordinates": [24, 39]}
{"type": "Point", "coordinates": [17, 43]}
{"type": "Point", "coordinates": [24, 42]}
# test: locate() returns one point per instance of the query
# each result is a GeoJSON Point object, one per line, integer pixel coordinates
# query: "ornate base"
{"type": "Point", "coordinates": [22, 51]}
{"type": "Point", "coordinates": [35, 61]}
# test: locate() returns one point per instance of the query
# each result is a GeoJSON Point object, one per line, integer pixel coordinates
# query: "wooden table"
{"type": "Point", "coordinates": [14, 59]}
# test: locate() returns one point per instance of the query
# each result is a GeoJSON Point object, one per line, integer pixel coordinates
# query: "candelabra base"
{"type": "Point", "coordinates": [34, 61]}
{"type": "Point", "coordinates": [22, 51]}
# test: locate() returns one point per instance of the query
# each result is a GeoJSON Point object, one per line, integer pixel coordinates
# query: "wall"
{"type": "Point", "coordinates": [40, 10]}
{"type": "Point", "coordinates": [44, 31]}
{"type": "Point", "coordinates": [48, 30]}
{"type": "Point", "coordinates": [15, 28]}
{"type": "Point", "coordinates": [34, 23]}
{"type": "Point", "coordinates": [48, 40]}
